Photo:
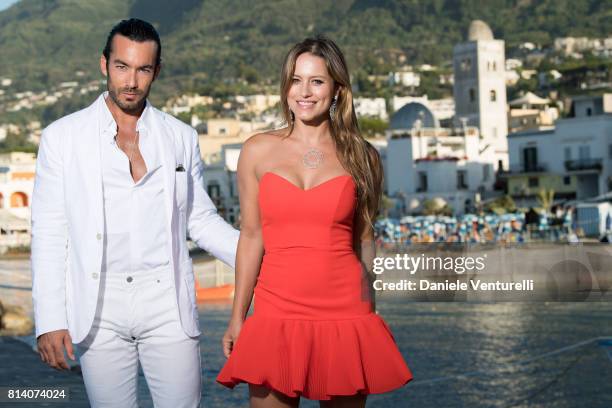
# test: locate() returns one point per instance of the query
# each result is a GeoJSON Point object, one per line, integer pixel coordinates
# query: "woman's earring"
{"type": "Point", "coordinates": [332, 108]}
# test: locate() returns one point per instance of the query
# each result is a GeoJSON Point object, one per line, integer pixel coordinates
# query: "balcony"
{"type": "Point", "coordinates": [583, 164]}
{"type": "Point", "coordinates": [527, 168]}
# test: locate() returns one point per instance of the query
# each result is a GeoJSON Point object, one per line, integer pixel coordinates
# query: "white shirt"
{"type": "Point", "coordinates": [134, 213]}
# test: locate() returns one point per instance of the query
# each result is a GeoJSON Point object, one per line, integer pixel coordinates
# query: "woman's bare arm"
{"type": "Point", "coordinates": [250, 245]}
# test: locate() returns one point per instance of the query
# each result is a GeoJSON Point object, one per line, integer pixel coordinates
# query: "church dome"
{"type": "Point", "coordinates": [480, 31]}
{"type": "Point", "coordinates": [408, 115]}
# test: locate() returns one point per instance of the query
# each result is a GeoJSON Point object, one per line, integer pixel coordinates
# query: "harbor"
{"type": "Point", "coordinates": [481, 354]}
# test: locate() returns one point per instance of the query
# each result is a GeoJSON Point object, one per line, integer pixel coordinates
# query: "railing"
{"type": "Point", "coordinates": [531, 168]}
{"type": "Point", "coordinates": [583, 164]}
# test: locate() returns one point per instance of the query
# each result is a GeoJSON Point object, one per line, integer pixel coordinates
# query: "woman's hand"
{"type": "Point", "coordinates": [231, 335]}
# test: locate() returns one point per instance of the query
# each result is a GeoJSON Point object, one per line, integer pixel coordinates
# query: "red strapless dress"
{"type": "Point", "coordinates": [312, 332]}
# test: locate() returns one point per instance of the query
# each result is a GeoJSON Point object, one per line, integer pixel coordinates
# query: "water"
{"type": "Point", "coordinates": [448, 339]}
{"type": "Point", "coordinates": [436, 339]}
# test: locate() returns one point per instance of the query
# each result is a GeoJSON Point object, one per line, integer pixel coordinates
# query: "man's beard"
{"type": "Point", "coordinates": [127, 107]}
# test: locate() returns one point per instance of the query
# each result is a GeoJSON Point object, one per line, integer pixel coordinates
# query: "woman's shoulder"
{"type": "Point", "coordinates": [268, 136]}
{"type": "Point", "coordinates": [261, 144]}
{"type": "Point", "coordinates": [263, 141]}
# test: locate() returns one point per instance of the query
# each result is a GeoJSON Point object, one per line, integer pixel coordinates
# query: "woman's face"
{"type": "Point", "coordinates": [312, 89]}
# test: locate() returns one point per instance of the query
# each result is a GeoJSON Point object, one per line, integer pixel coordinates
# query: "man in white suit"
{"type": "Point", "coordinates": [118, 188]}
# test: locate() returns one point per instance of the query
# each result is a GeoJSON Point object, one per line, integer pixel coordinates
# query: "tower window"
{"type": "Point", "coordinates": [493, 95]}
{"type": "Point", "coordinates": [472, 95]}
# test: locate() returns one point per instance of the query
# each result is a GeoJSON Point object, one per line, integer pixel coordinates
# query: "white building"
{"type": "Point", "coordinates": [441, 108]}
{"type": "Point", "coordinates": [513, 63]}
{"type": "Point", "coordinates": [220, 182]}
{"type": "Point", "coordinates": [425, 161]}
{"type": "Point", "coordinates": [257, 104]}
{"type": "Point", "coordinates": [14, 231]}
{"type": "Point", "coordinates": [381, 144]}
{"type": "Point", "coordinates": [588, 105]}
{"type": "Point", "coordinates": [375, 107]}
{"type": "Point", "coordinates": [573, 158]}
{"type": "Point", "coordinates": [480, 87]}
{"type": "Point", "coordinates": [405, 78]}
{"type": "Point", "coordinates": [458, 162]}
{"type": "Point", "coordinates": [512, 77]}
{"type": "Point", "coordinates": [575, 45]}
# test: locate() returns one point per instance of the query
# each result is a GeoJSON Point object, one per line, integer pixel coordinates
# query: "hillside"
{"type": "Point", "coordinates": [212, 43]}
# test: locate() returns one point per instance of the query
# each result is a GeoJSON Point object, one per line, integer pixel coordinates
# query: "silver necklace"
{"type": "Point", "coordinates": [312, 158]}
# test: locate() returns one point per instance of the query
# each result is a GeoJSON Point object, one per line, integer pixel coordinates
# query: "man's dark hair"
{"type": "Point", "coordinates": [136, 30]}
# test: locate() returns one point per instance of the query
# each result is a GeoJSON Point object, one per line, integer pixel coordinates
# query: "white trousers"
{"type": "Point", "coordinates": [137, 320]}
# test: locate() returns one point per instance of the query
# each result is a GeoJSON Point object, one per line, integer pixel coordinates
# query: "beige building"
{"type": "Point", "coordinates": [530, 112]}
{"type": "Point", "coordinates": [219, 132]}
{"type": "Point", "coordinates": [17, 182]}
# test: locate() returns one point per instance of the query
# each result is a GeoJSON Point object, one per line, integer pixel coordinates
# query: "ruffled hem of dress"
{"type": "Point", "coordinates": [317, 359]}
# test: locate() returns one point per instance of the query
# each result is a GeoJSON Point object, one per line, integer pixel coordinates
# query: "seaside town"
{"type": "Point", "coordinates": [472, 166]}
{"type": "Point", "coordinates": [504, 143]}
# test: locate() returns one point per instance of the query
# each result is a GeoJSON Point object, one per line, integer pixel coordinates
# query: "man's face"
{"type": "Point", "coordinates": [130, 71]}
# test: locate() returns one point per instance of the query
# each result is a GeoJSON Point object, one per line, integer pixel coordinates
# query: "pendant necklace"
{"type": "Point", "coordinates": [312, 158]}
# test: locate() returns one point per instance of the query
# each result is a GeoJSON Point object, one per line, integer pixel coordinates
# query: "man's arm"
{"type": "Point", "coordinates": [49, 237]}
{"type": "Point", "coordinates": [49, 242]}
{"type": "Point", "coordinates": [205, 226]}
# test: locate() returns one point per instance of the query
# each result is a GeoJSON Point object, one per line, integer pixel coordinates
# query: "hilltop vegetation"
{"type": "Point", "coordinates": [216, 46]}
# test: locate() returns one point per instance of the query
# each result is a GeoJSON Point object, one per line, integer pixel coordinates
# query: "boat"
{"type": "Point", "coordinates": [214, 293]}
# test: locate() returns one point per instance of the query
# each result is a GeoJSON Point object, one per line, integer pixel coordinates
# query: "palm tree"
{"type": "Point", "coordinates": [546, 198]}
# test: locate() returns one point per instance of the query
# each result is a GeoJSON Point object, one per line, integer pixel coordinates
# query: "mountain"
{"type": "Point", "coordinates": [212, 44]}
{"type": "Point", "coordinates": [4, 4]}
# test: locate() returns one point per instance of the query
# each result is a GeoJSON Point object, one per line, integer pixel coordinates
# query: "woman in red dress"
{"type": "Point", "coordinates": [309, 194]}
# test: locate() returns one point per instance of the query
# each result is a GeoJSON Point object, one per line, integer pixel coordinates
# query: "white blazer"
{"type": "Point", "coordinates": [68, 220]}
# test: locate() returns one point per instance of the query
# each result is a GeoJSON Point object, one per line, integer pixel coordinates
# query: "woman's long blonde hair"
{"type": "Point", "coordinates": [356, 155]}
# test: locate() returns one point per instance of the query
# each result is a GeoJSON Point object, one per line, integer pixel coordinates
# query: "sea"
{"type": "Point", "coordinates": [477, 354]}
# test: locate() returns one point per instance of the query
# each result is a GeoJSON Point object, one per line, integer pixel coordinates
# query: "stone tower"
{"type": "Point", "coordinates": [480, 90]}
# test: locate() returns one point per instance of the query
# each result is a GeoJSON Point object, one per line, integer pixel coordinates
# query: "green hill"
{"type": "Point", "coordinates": [212, 44]}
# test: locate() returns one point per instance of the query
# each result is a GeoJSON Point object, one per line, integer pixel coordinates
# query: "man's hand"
{"type": "Point", "coordinates": [51, 348]}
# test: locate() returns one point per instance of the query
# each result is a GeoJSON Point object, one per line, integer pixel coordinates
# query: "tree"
{"type": "Point", "coordinates": [371, 126]}
{"type": "Point", "coordinates": [501, 205]}
{"type": "Point", "coordinates": [546, 198]}
{"type": "Point", "coordinates": [433, 207]}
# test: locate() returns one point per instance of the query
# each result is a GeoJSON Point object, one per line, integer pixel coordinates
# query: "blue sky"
{"type": "Point", "coordinates": [5, 3]}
